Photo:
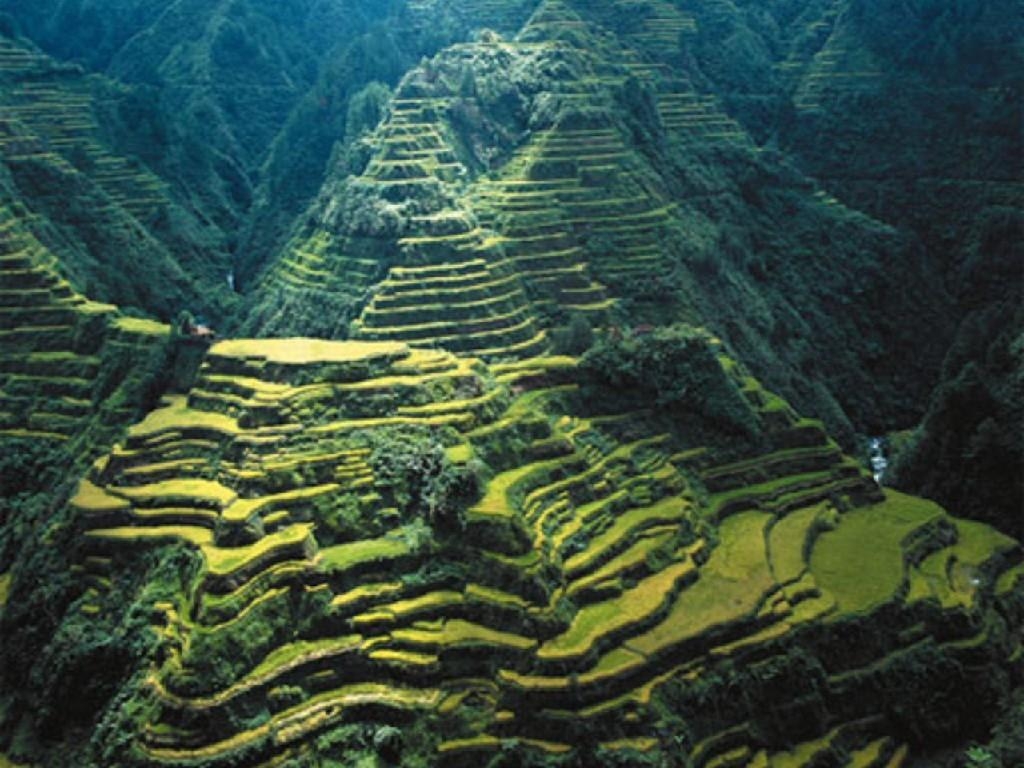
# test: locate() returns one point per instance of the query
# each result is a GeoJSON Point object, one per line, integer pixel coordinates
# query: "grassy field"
{"type": "Point", "coordinates": [301, 351]}
{"type": "Point", "coordinates": [861, 562]}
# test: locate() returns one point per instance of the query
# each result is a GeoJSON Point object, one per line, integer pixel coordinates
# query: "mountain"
{"type": "Point", "coordinates": [672, 216]}
{"type": "Point", "coordinates": [935, 151]}
{"type": "Point", "coordinates": [118, 230]}
{"type": "Point", "coordinates": [238, 105]}
{"type": "Point", "coordinates": [421, 383]}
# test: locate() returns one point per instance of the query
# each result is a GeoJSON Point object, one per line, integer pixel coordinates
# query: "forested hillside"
{"type": "Point", "coordinates": [500, 383]}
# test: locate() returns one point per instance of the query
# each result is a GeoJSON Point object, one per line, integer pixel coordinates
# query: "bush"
{"type": "Point", "coordinates": [673, 369]}
{"type": "Point", "coordinates": [424, 483]}
{"type": "Point", "coordinates": [575, 338]}
{"type": "Point", "coordinates": [387, 740]}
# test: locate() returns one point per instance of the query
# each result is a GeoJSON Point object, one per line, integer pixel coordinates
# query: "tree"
{"type": "Point", "coordinates": [424, 482]}
{"type": "Point", "coordinates": [673, 369]}
{"type": "Point", "coordinates": [575, 338]}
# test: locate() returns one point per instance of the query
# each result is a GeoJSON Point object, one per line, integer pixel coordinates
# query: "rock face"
{"type": "Point", "coordinates": [528, 435]}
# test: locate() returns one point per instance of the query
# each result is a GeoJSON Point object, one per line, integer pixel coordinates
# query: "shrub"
{"type": "Point", "coordinates": [673, 369]}
{"type": "Point", "coordinates": [387, 740]}
{"type": "Point", "coordinates": [423, 481]}
{"type": "Point", "coordinates": [575, 338]}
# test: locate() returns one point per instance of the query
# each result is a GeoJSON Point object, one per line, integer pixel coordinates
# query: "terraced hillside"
{"type": "Point", "coordinates": [55, 144]}
{"type": "Point", "coordinates": [526, 573]}
{"type": "Point", "coordinates": [654, 35]}
{"type": "Point", "coordinates": [861, 96]}
{"type": "Point", "coordinates": [442, 282]}
{"type": "Point", "coordinates": [516, 183]}
{"type": "Point", "coordinates": [446, 279]}
{"type": "Point", "coordinates": [56, 107]}
{"type": "Point", "coordinates": [62, 357]}
{"type": "Point", "coordinates": [512, 462]}
{"type": "Point", "coordinates": [502, 16]}
{"type": "Point", "coordinates": [565, 186]}
{"type": "Point", "coordinates": [820, 61]}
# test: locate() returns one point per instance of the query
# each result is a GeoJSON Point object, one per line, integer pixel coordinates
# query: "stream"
{"type": "Point", "coordinates": [878, 458]}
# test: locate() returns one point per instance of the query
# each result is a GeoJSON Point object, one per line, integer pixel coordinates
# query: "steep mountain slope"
{"type": "Point", "coordinates": [934, 150]}
{"type": "Point", "coordinates": [228, 75]}
{"type": "Point", "coordinates": [968, 452]}
{"type": "Point", "coordinates": [588, 174]}
{"type": "Point", "coordinates": [84, 231]}
{"type": "Point", "coordinates": [600, 598]}
{"type": "Point", "coordinates": [239, 104]}
{"type": "Point", "coordinates": [329, 114]}
{"type": "Point", "coordinates": [116, 227]}
{"type": "Point", "coordinates": [72, 371]}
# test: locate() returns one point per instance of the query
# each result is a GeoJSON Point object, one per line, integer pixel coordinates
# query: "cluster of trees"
{"type": "Point", "coordinates": [423, 481]}
{"type": "Point", "coordinates": [673, 368]}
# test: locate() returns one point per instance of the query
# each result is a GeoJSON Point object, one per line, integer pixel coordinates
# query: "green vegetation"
{"type": "Point", "coordinates": [674, 368]}
{"type": "Point", "coordinates": [375, 567]}
{"type": "Point", "coordinates": [345, 556]}
{"type": "Point", "coordinates": [513, 469]}
{"type": "Point", "coordinates": [305, 351]}
{"type": "Point", "coordinates": [735, 580]}
{"type": "Point", "coordinates": [176, 415]}
{"type": "Point", "coordinates": [640, 592]}
{"type": "Point", "coordinates": [633, 607]}
{"type": "Point", "coordinates": [789, 538]}
{"type": "Point", "coordinates": [862, 563]}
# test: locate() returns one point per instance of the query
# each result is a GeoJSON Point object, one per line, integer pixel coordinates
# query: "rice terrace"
{"type": "Point", "coordinates": [511, 383]}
